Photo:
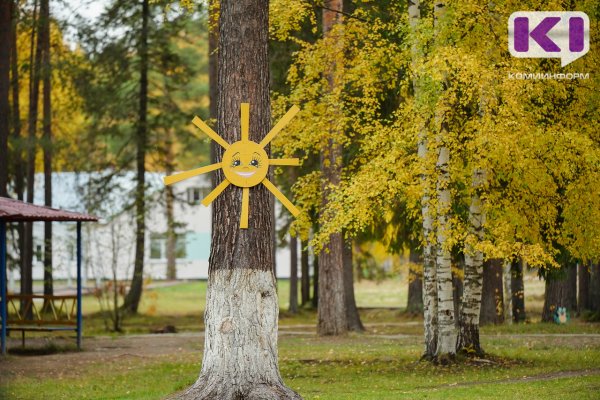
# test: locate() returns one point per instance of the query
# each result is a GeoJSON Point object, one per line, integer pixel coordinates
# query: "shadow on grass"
{"type": "Point", "coordinates": [45, 350]}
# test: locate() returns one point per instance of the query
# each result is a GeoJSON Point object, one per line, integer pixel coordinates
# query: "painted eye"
{"type": "Point", "coordinates": [235, 163]}
{"type": "Point", "coordinates": [254, 163]}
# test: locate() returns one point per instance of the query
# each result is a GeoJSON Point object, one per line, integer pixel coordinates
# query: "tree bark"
{"type": "Point", "coordinates": [492, 301]}
{"type": "Point", "coordinates": [293, 275]}
{"type": "Point", "coordinates": [517, 289]}
{"type": "Point", "coordinates": [558, 293]}
{"type": "Point", "coordinates": [354, 322]}
{"type": "Point", "coordinates": [594, 298]}
{"type": "Point", "coordinates": [315, 297]}
{"type": "Point", "coordinates": [132, 300]}
{"type": "Point", "coordinates": [5, 44]}
{"type": "Point", "coordinates": [430, 311]}
{"type": "Point", "coordinates": [583, 272]}
{"type": "Point", "coordinates": [47, 140]}
{"type": "Point", "coordinates": [305, 280]}
{"type": "Point", "coordinates": [572, 278]}
{"type": "Point", "coordinates": [507, 294]}
{"type": "Point", "coordinates": [332, 300]}
{"type": "Point", "coordinates": [468, 334]}
{"type": "Point", "coordinates": [34, 81]}
{"type": "Point", "coordinates": [414, 304]}
{"type": "Point", "coordinates": [240, 352]}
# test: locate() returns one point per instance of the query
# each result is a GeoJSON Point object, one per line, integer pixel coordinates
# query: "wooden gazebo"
{"type": "Point", "coordinates": [18, 211]}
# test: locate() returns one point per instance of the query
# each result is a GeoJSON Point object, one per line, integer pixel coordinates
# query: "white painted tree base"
{"type": "Point", "coordinates": [240, 351]}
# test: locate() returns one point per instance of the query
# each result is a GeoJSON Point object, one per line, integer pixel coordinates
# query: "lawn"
{"type": "Point", "coordinates": [528, 361]}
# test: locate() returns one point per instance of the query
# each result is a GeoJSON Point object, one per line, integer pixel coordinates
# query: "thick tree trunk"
{"type": "Point", "coordinates": [47, 140]}
{"type": "Point", "coordinates": [517, 288]}
{"type": "Point", "coordinates": [583, 272]}
{"type": "Point", "coordinates": [492, 301]}
{"type": "Point", "coordinates": [5, 44]}
{"type": "Point", "coordinates": [293, 275]}
{"type": "Point", "coordinates": [332, 300]}
{"type": "Point", "coordinates": [414, 304]}
{"type": "Point", "coordinates": [558, 294]}
{"type": "Point", "coordinates": [468, 334]}
{"type": "Point", "coordinates": [595, 288]}
{"type": "Point", "coordinates": [305, 280]}
{"type": "Point", "coordinates": [430, 311]}
{"type": "Point", "coordinates": [240, 352]}
{"type": "Point", "coordinates": [132, 300]}
{"type": "Point", "coordinates": [354, 322]}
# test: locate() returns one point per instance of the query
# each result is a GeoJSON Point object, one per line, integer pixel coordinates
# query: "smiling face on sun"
{"type": "Point", "coordinates": [245, 163]}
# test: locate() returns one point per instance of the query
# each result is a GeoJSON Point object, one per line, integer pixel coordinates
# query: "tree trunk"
{"type": "Point", "coordinates": [517, 289]}
{"type": "Point", "coordinates": [583, 272]}
{"type": "Point", "coordinates": [572, 278]}
{"type": "Point", "coordinates": [240, 352]}
{"type": "Point", "coordinates": [305, 280]}
{"type": "Point", "coordinates": [354, 322]}
{"type": "Point", "coordinates": [170, 202]}
{"type": "Point", "coordinates": [132, 300]}
{"type": "Point", "coordinates": [507, 294]}
{"type": "Point", "coordinates": [458, 273]}
{"type": "Point", "coordinates": [5, 44]}
{"type": "Point", "coordinates": [414, 304]}
{"type": "Point", "coordinates": [492, 304]}
{"type": "Point", "coordinates": [468, 334]}
{"type": "Point", "coordinates": [315, 297]}
{"type": "Point", "coordinates": [34, 81]}
{"type": "Point", "coordinates": [332, 300]}
{"type": "Point", "coordinates": [430, 311]}
{"type": "Point", "coordinates": [293, 275]}
{"type": "Point", "coordinates": [558, 293]}
{"type": "Point", "coordinates": [47, 140]}
{"type": "Point", "coordinates": [595, 288]}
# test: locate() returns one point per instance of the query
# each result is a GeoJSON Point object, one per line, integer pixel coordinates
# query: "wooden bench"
{"type": "Point", "coordinates": [41, 313]}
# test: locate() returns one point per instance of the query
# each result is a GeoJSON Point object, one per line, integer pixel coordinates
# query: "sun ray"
{"type": "Point", "coordinates": [284, 161]}
{"type": "Point", "coordinates": [288, 204]}
{"type": "Point", "coordinates": [169, 180]}
{"type": "Point", "coordinates": [279, 126]}
{"type": "Point", "coordinates": [216, 191]}
{"type": "Point", "coordinates": [212, 134]}
{"type": "Point", "coordinates": [245, 208]}
{"type": "Point", "coordinates": [245, 120]}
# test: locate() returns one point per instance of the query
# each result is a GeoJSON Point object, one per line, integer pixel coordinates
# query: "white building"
{"type": "Point", "coordinates": [110, 243]}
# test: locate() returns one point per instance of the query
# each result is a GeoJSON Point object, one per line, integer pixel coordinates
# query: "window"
{"type": "Point", "coordinates": [196, 194]}
{"type": "Point", "coordinates": [158, 246]}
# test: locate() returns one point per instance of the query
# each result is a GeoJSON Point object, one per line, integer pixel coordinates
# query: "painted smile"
{"type": "Point", "coordinates": [245, 174]}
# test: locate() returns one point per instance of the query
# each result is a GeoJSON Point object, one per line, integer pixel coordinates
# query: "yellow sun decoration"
{"type": "Point", "coordinates": [245, 163]}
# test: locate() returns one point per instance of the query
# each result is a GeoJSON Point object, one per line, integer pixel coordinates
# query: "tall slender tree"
{"type": "Point", "coordinates": [132, 300]}
{"type": "Point", "coordinates": [5, 44]}
{"type": "Point", "coordinates": [305, 280]}
{"type": "Point", "coordinates": [240, 352]}
{"type": "Point", "coordinates": [293, 275]}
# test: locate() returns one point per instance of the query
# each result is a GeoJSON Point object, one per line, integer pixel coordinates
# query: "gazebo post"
{"type": "Point", "coordinates": [3, 283]}
{"type": "Point", "coordinates": [79, 317]}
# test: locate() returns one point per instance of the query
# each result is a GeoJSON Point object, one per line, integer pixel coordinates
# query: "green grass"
{"type": "Point", "coordinates": [355, 367]}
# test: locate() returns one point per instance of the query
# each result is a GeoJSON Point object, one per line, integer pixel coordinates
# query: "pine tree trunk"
{"type": "Point", "coordinates": [354, 322]}
{"type": "Point", "coordinates": [468, 335]}
{"type": "Point", "coordinates": [305, 280]}
{"type": "Point", "coordinates": [293, 275]}
{"type": "Point", "coordinates": [5, 44]}
{"type": "Point", "coordinates": [332, 300]}
{"type": "Point", "coordinates": [430, 311]}
{"type": "Point", "coordinates": [492, 301]}
{"type": "Point", "coordinates": [414, 304]}
{"type": "Point", "coordinates": [517, 289]}
{"type": "Point", "coordinates": [132, 300]}
{"type": "Point", "coordinates": [34, 82]}
{"type": "Point", "coordinates": [594, 298]}
{"type": "Point", "coordinates": [47, 140]}
{"type": "Point", "coordinates": [240, 352]}
{"type": "Point", "coordinates": [583, 272]}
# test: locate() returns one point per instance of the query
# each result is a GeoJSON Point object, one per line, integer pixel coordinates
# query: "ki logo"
{"type": "Point", "coordinates": [549, 34]}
